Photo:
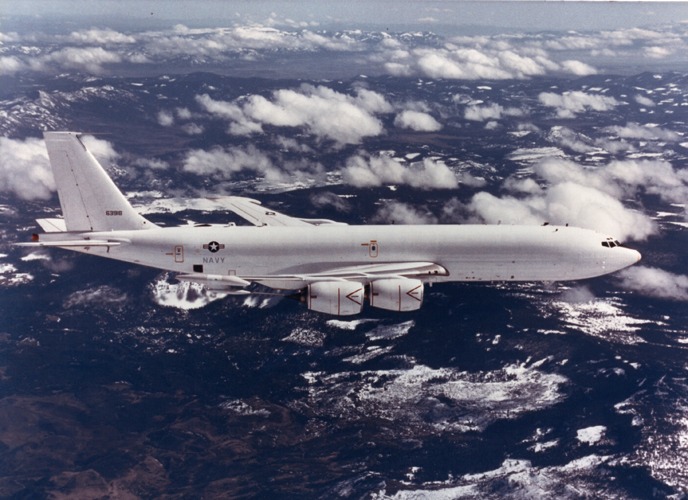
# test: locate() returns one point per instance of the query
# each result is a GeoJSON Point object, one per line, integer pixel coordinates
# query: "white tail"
{"type": "Point", "coordinates": [90, 200]}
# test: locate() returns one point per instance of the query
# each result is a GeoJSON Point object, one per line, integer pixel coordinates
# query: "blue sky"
{"type": "Point", "coordinates": [443, 16]}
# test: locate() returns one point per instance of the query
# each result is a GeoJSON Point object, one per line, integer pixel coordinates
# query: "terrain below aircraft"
{"type": "Point", "coordinates": [335, 267]}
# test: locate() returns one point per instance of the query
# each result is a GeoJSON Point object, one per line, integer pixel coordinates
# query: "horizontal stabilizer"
{"type": "Point", "coordinates": [70, 243]}
{"type": "Point", "coordinates": [52, 225]}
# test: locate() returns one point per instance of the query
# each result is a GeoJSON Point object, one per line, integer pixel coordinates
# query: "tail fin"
{"type": "Point", "coordinates": [90, 200]}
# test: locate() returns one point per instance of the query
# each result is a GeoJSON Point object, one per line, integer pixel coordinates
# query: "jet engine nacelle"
{"type": "Point", "coordinates": [397, 294]}
{"type": "Point", "coordinates": [341, 298]}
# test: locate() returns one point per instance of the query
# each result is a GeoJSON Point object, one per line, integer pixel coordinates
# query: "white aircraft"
{"type": "Point", "coordinates": [335, 266]}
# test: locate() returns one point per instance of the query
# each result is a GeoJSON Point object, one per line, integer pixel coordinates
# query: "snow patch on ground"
{"type": "Point", "coordinates": [422, 399]}
{"type": "Point", "coordinates": [389, 332]}
{"type": "Point", "coordinates": [604, 318]}
{"type": "Point", "coordinates": [531, 155]}
{"type": "Point", "coordinates": [591, 435]}
{"type": "Point", "coordinates": [10, 277]}
{"type": "Point", "coordinates": [517, 478]}
{"type": "Point", "coordinates": [306, 337]}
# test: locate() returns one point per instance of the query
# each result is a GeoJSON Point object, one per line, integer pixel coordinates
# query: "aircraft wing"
{"type": "Point", "coordinates": [256, 214]}
{"type": "Point", "coordinates": [363, 273]}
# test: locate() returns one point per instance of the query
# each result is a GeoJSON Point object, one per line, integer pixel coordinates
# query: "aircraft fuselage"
{"type": "Point", "coordinates": [467, 252]}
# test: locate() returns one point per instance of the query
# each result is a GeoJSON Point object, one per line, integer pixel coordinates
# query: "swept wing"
{"type": "Point", "coordinates": [258, 215]}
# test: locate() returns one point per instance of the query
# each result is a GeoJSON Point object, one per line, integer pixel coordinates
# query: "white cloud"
{"type": "Point", "coordinates": [478, 112]}
{"type": "Point", "coordinates": [622, 178]}
{"type": "Point", "coordinates": [644, 132]}
{"type": "Point", "coordinates": [569, 104]}
{"type": "Point", "coordinates": [152, 163]}
{"type": "Point", "coordinates": [223, 164]}
{"type": "Point", "coordinates": [516, 56]}
{"type": "Point", "coordinates": [654, 282]}
{"type": "Point", "coordinates": [644, 101]}
{"type": "Point", "coordinates": [417, 120]}
{"type": "Point", "coordinates": [656, 52]}
{"type": "Point", "coordinates": [95, 36]}
{"type": "Point", "coordinates": [101, 149]}
{"type": "Point", "coordinates": [366, 171]}
{"type": "Point", "coordinates": [165, 118]}
{"type": "Point", "coordinates": [218, 44]}
{"type": "Point", "coordinates": [566, 203]}
{"type": "Point", "coordinates": [584, 196]}
{"type": "Point", "coordinates": [193, 129]}
{"type": "Point", "coordinates": [25, 169]}
{"type": "Point", "coordinates": [89, 59]}
{"type": "Point", "coordinates": [402, 213]}
{"type": "Point", "coordinates": [10, 65]}
{"type": "Point", "coordinates": [578, 68]}
{"type": "Point", "coordinates": [479, 58]}
{"type": "Point", "coordinates": [323, 112]}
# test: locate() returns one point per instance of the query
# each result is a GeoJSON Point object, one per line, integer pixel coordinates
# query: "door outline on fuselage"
{"type": "Point", "coordinates": [179, 254]}
{"type": "Point", "coordinates": [373, 248]}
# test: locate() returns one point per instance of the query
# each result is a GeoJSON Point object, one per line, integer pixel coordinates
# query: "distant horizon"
{"type": "Point", "coordinates": [441, 16]}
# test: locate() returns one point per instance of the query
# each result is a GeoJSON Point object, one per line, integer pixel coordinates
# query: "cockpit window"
{"type": "Point", "coordinates": [611, 243]}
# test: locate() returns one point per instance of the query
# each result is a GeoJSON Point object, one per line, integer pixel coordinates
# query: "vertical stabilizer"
{"type": "Point", "coordinates": [90, 200]}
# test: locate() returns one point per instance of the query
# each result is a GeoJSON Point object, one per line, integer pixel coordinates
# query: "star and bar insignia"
{"type": "Point", "coordinates": [213, 246]}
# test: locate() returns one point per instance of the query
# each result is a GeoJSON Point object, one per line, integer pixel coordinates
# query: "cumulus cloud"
{"type": "Point", "coordinates": [9, 65]}
{"type": "Point", "coordinates": [220, 43]}
{"type": "Point", "coordinates": [327, 199]}
{"type": "Point", "coordinates": [224, 164]}
{"type": "Point", "coordinates": [88, 59]}
{"type": "Point", "coordinates": [654, 282]}
{"type": "Point", "coordinates": [569, 104]}
{"type": "Point", "coordinates": [417, 120]}
{"type": "Point", "coordinates": [578, 68]}
{"type": "Point", "coordinates": [368, 171]}
{"type": "Point", "coordinates": [643, 132]}
{"type": "Point", "coordinates": [321, 111]}
{"type": "Point", "coordinates": [564, 203]}
{"type": "Point", "coordinates": [165, 118]}
{"type": "Point", "coordinates": [584, 196]}
{"type": "Point", "coordinates": [644, 101]}
{"type": "Point", "coordinates": [622, 178]}
{"type": "Point", "coordinates": [402, 213]}
{"type": "Point", "coordinates": [95, 36]}
{"type": "Point", "coordinates": [101, 149]}
{"type": "Point", "coordinates": [512, 56]}
{"type": "Point", "coordinates": [480, 58]}
{"type": "Point", "coordinates": [25, 169]}
{"type": "Point", "coordinates": [478, 112]}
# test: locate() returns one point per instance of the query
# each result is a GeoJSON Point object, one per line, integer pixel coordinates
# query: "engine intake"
{"type": "Point", "coordinates": [397, 294]}
{"type": "Point", "coordinates": [341, 298]}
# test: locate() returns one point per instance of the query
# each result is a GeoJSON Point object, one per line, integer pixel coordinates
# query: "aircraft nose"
{"type": "Point", "coordinates": [631, 257]}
